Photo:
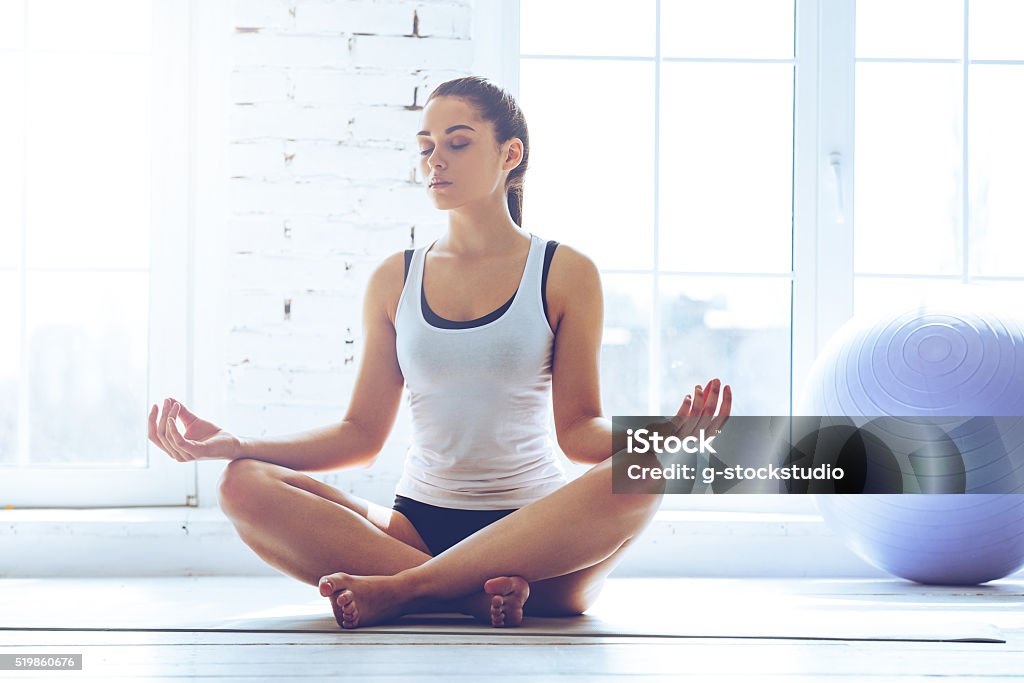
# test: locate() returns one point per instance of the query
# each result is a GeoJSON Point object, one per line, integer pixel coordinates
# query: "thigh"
{"type": "Point", "coordinates": [391, 522]}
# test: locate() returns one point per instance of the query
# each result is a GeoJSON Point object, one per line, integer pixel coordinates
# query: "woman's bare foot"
{"type": "Point", "coordinates": [508, 595]}
{"type": "Point", "coordinates": [365, 600]}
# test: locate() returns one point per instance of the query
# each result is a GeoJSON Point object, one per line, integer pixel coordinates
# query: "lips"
{"type": "Point", "coordinates": [435, 183]}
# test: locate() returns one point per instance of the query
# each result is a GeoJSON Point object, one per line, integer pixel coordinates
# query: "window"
{"type": "Point", "coordinates": [938, 203]}
{"type": "Point", "coordinates": [706, 155]}
{"type": "Point", "coordinates": [95, 120]}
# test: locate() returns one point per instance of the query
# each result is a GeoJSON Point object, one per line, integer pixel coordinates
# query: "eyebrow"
{"type": "Point", "coordinates": [447, 130]}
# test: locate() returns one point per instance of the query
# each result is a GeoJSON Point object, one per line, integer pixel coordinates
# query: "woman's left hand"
{"type": "Point", "coordinates": [700, 411]}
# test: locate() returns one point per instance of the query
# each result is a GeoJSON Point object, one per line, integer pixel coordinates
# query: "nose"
{"type": "Point", "coordinates": [433, 160]}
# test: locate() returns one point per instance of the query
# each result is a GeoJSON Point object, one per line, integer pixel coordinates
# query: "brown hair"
{"type": "Point", "coordinates": [496, 105]}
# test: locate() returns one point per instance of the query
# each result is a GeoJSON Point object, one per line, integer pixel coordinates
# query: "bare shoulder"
{"type": "Point", "coordinates": [386, 283]}
{"type": "Point", "coordinates": [570, 261]}
{"type": "Point", "coordinates": [573, 279]}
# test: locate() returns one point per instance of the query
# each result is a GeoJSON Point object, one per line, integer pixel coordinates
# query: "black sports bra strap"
{"type": "Point", "coordinates": [549, 253]}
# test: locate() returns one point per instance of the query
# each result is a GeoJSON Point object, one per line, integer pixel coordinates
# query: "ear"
{"type": "Point", "coordinates": [513, 154]}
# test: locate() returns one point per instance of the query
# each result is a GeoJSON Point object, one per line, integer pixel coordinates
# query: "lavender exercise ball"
{"type": "Point", "coordinates": [932, 361]}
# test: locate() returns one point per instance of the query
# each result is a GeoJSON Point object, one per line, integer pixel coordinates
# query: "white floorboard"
{"type": "Point", "coordinates": [512, 655]}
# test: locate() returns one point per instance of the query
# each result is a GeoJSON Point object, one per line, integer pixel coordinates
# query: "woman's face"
{"type": "Point", "coordinates": [459, 148]}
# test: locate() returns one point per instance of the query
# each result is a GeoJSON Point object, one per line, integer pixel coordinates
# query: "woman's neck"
{"type": "Point", "coordinates": [474, 240]}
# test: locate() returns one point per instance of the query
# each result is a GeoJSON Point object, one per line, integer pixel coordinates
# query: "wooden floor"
{"type": "Point", "coordinates": [677, 629]}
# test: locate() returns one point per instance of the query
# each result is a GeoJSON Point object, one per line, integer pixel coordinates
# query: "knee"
{"type": "Point", "coordinates": [565, 596]}
{"type": "Point", "coordinates": [560, 606]}
{"type": "Point", "coordinates": [575, 606]}
{"type": "Point", "coordinates": [237, 483]}
{"type": "Point", "coordinates": [573, 610]}
{"type": "Point", "coordinates": [627, 494]}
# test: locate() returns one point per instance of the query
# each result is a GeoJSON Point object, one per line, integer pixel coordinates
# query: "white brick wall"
{"type": "Point", "coordinates": [324, 98]}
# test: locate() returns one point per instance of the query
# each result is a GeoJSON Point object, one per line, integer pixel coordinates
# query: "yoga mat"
{"type": "Point", "coordinates": [649, 608]}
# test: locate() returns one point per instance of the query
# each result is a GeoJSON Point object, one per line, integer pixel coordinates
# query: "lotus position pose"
{"type": "Point", "coordinates": [490, 327]}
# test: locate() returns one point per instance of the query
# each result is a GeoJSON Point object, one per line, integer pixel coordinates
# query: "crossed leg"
{"type": "Point", "coordinates": [308, 529]}
{"type": "Point", "coordinates": [571, 530]}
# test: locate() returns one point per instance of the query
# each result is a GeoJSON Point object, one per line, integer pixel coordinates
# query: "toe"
{"type": "Point", "coordinates": [500, 585]}
{"type": "Point", "coordinates": [346, 601]}
{"type": "Point", "coordinates": [332, 582]}
{"type": "Point", "coordinates": [497, 611]}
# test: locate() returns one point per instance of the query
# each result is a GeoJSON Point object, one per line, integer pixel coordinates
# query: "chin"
{"type": "Point", "coordinates": [442, 202]}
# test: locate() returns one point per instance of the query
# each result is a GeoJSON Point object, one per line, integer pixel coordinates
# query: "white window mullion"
{"type": "Point", "coordinates": [965, 220]}
{"type": "Point", "coordinates": [654, 343]}
{"type": "Point", "coordinates": [806, 174]}
{"type": "Point", "coordinates": [24, 399]}
{"type": "Point", "coordinates": [835, 164]}
{"type": "Point", "coordinates": [498, 59]}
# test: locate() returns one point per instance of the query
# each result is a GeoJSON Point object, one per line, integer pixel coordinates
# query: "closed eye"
{"type": "Point", "coordinates": [428, 151]}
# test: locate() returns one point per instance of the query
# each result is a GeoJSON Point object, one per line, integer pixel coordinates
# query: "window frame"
{"type": "Point", "coordinates": [163, 481]}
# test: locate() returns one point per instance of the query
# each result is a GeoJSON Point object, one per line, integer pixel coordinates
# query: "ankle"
{"type": "Point", "coordinates": [417, 586]}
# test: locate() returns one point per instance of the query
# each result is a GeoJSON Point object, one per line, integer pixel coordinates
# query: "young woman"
{"type": "Point", "coordinates": [489, 327]}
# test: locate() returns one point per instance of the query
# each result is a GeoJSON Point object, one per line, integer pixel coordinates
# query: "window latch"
{"type": "Point", "coordinates": [835, 160]}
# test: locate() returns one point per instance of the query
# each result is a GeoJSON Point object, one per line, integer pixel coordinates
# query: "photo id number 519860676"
{"type": "Point", "coordinates": [33, 661]}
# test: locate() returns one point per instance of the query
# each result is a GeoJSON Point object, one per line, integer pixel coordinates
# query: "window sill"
{"type": "Point", "coordinates": [202, 541]}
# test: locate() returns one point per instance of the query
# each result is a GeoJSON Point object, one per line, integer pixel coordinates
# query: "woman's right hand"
{"type": "Point", "coordinates": [202, 440]}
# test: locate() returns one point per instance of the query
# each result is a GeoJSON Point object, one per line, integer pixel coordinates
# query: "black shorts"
{"type": "Point", "coordinates": [441, 528]}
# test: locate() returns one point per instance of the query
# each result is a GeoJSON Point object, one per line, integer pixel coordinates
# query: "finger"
{"type": "Point", "coordinates": [176, 410]}
{"type": "Point", "coordinates": [181, 444]}
{"type": "Point", "coordinates": [680, 417]}
{"type": "Point", "coordinates": [710, 405]}
{"type": "Point", "coordinates": [154, 429]}
{"type": "Point", "coordinates": [684, 409]}
{"type": "Point", "coordinates": [693, 415]}
{"type": "Point", "coordinates": [714, 386]}
{"type": "Point", "coordinates": [161, 430]}
{"type": "Point", "coordinates": [699, 396]}
{"type": "Point", "coordinates": [726, 409]}
{"type": "Point", "coordinates": [166, 426]}
{"type": "Point", "coordinates": [682, 406]}
{"type": "Point", "coordinates": [186, 416]}
{"type": "Point", "coordinates": [174, 437]}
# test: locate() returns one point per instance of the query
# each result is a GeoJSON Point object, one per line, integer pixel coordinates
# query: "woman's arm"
{"type": "Point", "coordinates": [574, 293]}
{"type": "Point", "coordinates": [336, 446]}
{"type": "Point", "coordinates": [360, 436]}
{"type": "Point", "coordinates": [585, 435]}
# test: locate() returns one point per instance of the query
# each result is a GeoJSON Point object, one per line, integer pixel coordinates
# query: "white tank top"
{"type": "Point", "coordinates": [480, 399]}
